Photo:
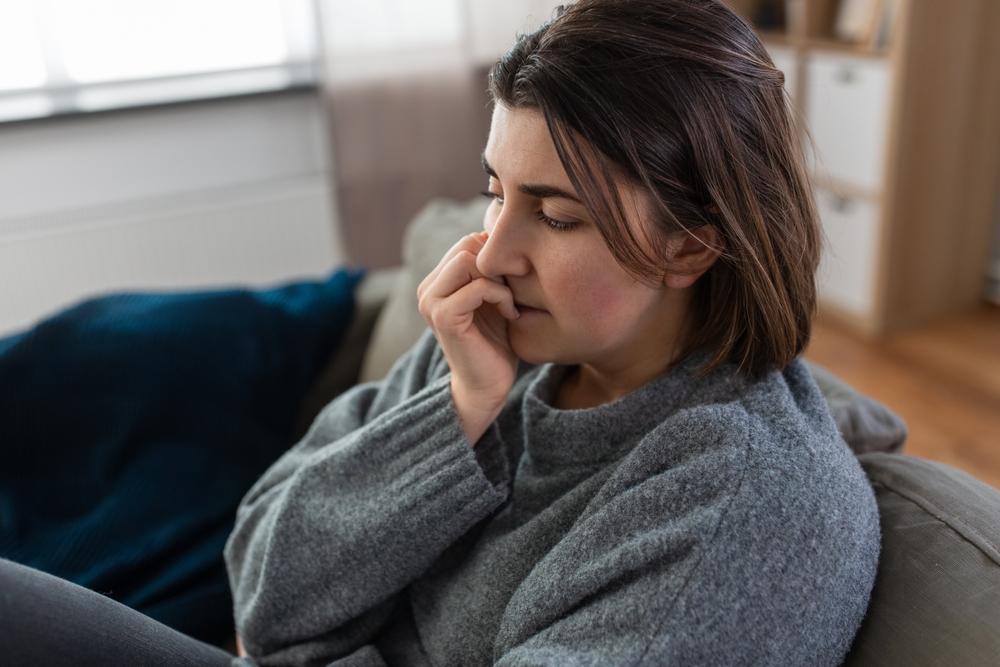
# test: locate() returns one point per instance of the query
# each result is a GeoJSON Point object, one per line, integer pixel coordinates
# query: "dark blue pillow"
{"type": "Point", "coordinates": [132, 425]}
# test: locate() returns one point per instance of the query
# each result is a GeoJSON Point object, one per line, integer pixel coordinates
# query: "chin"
{"type": "Point", "coordinates": [529, 349]}
{"type": "Point", "coordinates": [539, 350]}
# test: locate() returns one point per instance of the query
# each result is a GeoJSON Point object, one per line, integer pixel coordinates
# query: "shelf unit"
{"type": "Point", "coordinates": [903, 141]}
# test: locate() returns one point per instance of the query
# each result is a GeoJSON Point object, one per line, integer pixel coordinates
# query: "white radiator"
{"type": "Point", "coordinates": [250, 235]}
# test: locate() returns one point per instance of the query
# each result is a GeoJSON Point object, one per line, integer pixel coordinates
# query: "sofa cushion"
{"type": "Point", "coordinates": [865, 424]}
{"type": "Point", "coordinates": [936, 599]}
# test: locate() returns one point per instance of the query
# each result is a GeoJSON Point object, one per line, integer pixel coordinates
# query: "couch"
{"type": "Point", "coordinates": [936, 599]}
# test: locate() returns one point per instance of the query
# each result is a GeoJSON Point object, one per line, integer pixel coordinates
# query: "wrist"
{"type": "Point", "coordinates": [476, 410]}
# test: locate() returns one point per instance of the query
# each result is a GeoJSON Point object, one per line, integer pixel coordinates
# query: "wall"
{"type": "Point", "coordinates": [993, 281]}
{"type": "Point", "coordinates": [229, 192]}
{"type": "Point", "coordinates": [400, 143]}
{"type": "Point", "coordinates": [409, 114]}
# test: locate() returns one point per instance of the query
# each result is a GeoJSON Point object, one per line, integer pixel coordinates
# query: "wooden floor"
{"type": "Point", "coordinates": [943, 379]}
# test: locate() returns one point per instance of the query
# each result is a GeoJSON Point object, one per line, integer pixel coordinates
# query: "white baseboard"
{"type": "Point", "coordinates": [256, 235]}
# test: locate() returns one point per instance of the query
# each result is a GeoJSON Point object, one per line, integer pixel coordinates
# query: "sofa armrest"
{"type": "Point", "coordinates": [935, 597]}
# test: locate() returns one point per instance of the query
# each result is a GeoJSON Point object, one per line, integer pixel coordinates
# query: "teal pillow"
{"type": "Point", "coordinates": [133, 424]}
{"type": "Point", "coordinates": [936, 599]}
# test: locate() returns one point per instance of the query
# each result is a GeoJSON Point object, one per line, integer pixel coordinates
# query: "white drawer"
{"type": "Point", "coordinates": [784, 59]}
{"type": "Point", "coordinates": [847, 269]}
{"type": "Point", "coordinates": [847, 108]}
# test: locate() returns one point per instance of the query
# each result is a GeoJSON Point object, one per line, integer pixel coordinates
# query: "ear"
{"type": "Point", "coordinates": [692, 254]}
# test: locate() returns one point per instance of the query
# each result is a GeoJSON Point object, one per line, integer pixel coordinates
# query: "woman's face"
{"type": "Point", "coordinates": [577, 304]}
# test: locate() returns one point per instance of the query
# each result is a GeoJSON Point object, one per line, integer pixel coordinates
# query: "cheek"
{"type": "Point", "coordinates": [599, 303]}
{"type": "Point", "coordinates": [601, 296]}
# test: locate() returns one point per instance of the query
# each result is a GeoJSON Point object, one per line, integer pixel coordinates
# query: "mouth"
{"type": "Point", "coordinates": [528, 310]}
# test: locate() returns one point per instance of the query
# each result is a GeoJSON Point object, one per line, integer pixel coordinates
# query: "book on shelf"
{"type": "Point", "coordinates": [887, 16]}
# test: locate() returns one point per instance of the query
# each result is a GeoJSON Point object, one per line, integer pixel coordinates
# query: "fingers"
{"type": "Point", "coordinates": [480, 291]}
{"type": "Point", "coordinates": [458, 272]}
{"type": "Point", "coordinates": [454, 298]}
{"type": "Point", "coordinates": [472, 243]}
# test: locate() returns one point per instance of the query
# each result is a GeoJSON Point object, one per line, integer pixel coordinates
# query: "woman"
{"type": "Point", "coordinates": [605, 451]}
{"type": "Point", "coordinates": [664, 485]}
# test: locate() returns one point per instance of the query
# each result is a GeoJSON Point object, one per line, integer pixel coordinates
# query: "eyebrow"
{"type": "Point", "coordinates": [539, 191]}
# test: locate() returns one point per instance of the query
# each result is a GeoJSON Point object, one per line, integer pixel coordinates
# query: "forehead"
{"type": "Point", "coordinates": [520, 148]}
{"type": "Point", "coordinates": [522, 154]}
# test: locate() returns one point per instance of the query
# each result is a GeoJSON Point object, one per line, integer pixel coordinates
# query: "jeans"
{"type": "Point", "coordinates": [49, 621]}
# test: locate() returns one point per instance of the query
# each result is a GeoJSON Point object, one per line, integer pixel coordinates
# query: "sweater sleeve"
{"type": "Point", "coordinates": [383, 482]}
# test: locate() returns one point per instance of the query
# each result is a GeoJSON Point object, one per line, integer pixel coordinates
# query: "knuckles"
{"type": "Point", "coordinates": [462, 260]}
{"type": "Point", "coordinates": [465, 259]}
{"type": "Point", "coordinates": [438, 320]}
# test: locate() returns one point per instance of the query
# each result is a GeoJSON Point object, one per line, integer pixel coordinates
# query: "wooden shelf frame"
{"type": "Point", "coordinates": [938, 194]}
{"type": "Point", "coordinates": [808, 24]}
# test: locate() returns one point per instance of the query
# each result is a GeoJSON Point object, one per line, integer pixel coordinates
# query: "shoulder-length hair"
{"type": "Point", "coordinates": [681, 98]}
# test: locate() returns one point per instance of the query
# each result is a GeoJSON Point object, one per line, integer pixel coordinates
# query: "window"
{"type": "Point", "coordinates": [373, 26]}
{"type": "Point", "coordinates": [65, 56]}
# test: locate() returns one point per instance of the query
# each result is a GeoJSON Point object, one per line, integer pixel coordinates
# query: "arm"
{"type": "Point", "coordinates": [384, 481]}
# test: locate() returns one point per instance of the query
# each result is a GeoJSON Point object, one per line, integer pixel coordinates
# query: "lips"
{"type": "Point", "coordinates": [524, 308]}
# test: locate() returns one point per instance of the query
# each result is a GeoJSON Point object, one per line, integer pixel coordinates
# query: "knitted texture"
{"type": "Point", "coordinates": [720, 521]}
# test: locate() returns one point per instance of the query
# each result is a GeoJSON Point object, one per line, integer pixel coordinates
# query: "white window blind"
{"type": "Point", "coordinates": [65, 56]}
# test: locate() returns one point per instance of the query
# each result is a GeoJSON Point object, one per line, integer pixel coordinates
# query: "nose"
{"type": "Point", "coordinates": [505, 252]}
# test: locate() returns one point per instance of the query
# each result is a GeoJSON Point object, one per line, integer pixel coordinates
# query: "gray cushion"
{"type": "Point", "coordinates": [937, 594]}
{"type": "Point", "coordinates": [866, 424]}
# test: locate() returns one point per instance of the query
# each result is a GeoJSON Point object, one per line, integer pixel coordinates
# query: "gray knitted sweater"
{"type": "Point", "coordinates": [719, 521]}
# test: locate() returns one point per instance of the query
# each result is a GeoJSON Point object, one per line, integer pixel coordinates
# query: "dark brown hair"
{"type": "Point", "coordinates": [681, 98]}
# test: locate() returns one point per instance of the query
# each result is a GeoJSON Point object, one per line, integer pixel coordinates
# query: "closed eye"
{"type": "Point", "coordinates": [557, 225]}
{"type": "Point", "coordinates": [492, 195]}
{"type": "Point", "coordinates": [552, 223]}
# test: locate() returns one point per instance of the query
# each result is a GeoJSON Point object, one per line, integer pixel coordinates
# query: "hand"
{"type": "Point", "coordinates": [468, 313]}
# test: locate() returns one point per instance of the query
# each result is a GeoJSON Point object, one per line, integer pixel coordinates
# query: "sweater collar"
{"type": "Point", "coordinates": [604, 433]}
